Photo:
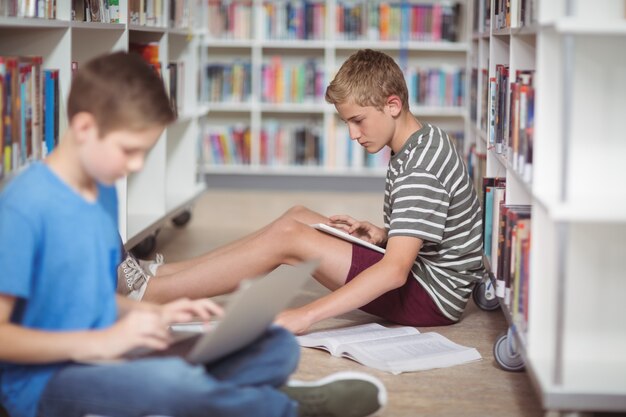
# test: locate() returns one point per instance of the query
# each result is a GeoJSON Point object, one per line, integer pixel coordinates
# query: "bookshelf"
{"type": "Point", "coordinates": [564, 317]}
{"type": "Point", "coordinates": [167, 186]}
{"type": "Point", "coordinates": [288, 129]}
{"type": "Point", "coordinates": [170, 180]}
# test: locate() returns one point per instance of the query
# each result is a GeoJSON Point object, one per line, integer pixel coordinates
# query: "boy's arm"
{"type": "Point", "coordinates": [389, 273]}
{"type": "Point", "coordinates": [126, 305]}
{"type": "Point", "coordinates": [24, 345]}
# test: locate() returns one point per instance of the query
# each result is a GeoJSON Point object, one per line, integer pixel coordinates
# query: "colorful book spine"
{"type": "Point", "coordinates": [50, 120]}
{"type": "Point", "coordinates": [518, 263]}
{"type": "Point", "coordinates": [21, 111]}
{"type": "Point", "coordinates": [493, 95]}
{"type": "Point", "coordinates": [397, 20]}
{"type": "Point", "coordinates": [437, 87]}
{"type": "Point", "coordinates": [227, 20]}
{"type": "Point", "coordinates": [228, 82]}
{"type": "Point", "coordinates": [292, 82]}
{"type": "Point", "coordinates": [290, 20]}
{"type": "Point", "coordinates": [10, 66]}
{"type": "Point", "coordinates": [291, 145]}
{"type": "Point", "coordinates": [497, 226]}
{"type": "Point", "coordinates": [24, 114]}
{"type": "Point", "coordinates": [225, 145]}
{"type": "Point", "coordinates": [2, 107]}
{"type": "Point", "coordinates": [488, 224]}
{"type": "Point", "coordinates": [513, 214]}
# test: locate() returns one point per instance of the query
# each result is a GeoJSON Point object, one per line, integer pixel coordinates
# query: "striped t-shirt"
{"type": "Point", "coordinates": [429, 195]}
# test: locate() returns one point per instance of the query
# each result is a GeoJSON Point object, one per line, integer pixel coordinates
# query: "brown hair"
{"type": "Point", "coordinates": [368, 78]}
{"type": "Point", "coordinates": [122, 92]}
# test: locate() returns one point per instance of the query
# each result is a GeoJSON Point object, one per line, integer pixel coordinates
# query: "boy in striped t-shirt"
{"type": "Point", "coordinates": [432, 222]}
{"type": "Point", "coordinates": [432, 218]}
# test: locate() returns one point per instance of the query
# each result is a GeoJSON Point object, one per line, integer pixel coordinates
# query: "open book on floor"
{"type": "Point", "coordinates": [391, 349]}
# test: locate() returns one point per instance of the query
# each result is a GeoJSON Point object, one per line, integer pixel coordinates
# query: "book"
{"type": "Point", "coordinates": [391, 349]}
{"type": "Point", "coordinates": [487, 223]}
{"type": "Point", "coordinates": [2, 106]}
{"type": "Point", "coordinates": [517, 266]}
{"type": "Point", "coordinates": [50, 110]}
{"type": "Point", "coordinates": [492, 111]}
{"type": "Point", "coordinates": [498, 200]}
{"type": "Point", "coordinates": [78, 10]}
{"type": "Point", "coordinates": [345, 236]}
{"type": "Point", "coordinates": [489, 185]}
{"type": "Point", "coordinates": [95, 11]}
{"type": "Point", "coordinates": [512, 214]}
{"type": "Point", "coordinates": [114, 10]}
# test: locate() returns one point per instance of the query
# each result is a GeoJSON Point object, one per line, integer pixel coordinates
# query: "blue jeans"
{"type": "Point", "coordinates": [241, 384]}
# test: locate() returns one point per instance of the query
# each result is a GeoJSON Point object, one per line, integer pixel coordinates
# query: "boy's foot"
{"type": "Point", "coordinates": [133, 275]}
{"type": "Point", "coordinates": [343, 394]}
{"type": "Point", "coordinates": [132, 280]}
{"type": "Point", "coordinates": [150, 267]}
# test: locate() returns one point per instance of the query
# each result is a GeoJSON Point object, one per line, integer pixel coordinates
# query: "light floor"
{"type": "Point", "coordinates": [476, 389]}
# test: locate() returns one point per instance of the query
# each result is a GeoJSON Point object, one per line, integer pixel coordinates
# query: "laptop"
{"type": "Point", "coordinates": [248, 314]}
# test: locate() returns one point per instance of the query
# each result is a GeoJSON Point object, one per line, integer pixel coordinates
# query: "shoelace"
{"type": "Point", "coordinates": [135, 277]}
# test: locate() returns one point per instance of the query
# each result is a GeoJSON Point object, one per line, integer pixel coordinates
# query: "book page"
{"type": "Point", "coordinates": [410, 353]}
{"type": "Point", "coordinates": [345, 236]}
{"type": "Point", "coordinates": [332, 339]}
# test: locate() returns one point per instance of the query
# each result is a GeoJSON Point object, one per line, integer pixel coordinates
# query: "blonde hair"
{"type": "Point", "coordinates": [368, 78]}
{"type": "Point", "coordinates": [122, 92]}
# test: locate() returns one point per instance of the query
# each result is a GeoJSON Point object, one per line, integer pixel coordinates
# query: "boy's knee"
{"type": "Point", "coordinates": [287, 226]}
{"type": "Point", "coordinates": [283, 336]}
{"type": "Point", "coordinates": [296, 212]}
{"type": "Point", "coordinates": [285, 342]}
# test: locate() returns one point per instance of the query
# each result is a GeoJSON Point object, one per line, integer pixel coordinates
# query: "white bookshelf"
{"type": "Point", "coordinates": [328, 53]}
{"type": "Point", "coordinates": [574, 341]}
{"type": "Point", "coordinates": [168, 184]}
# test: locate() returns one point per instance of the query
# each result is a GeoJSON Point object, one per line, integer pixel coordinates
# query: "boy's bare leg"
{"type": "Point", "coordinates": [287, 240]}
{"type": "Point", "coordinates": [297, 212]}
{"type": "Point", "coordinates": [171, 268]}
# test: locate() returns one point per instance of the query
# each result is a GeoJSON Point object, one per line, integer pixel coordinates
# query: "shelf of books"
{"type": "Point", "coordinates": [265, 66]}
{"type": "Point", "coordinates": [42, 42]}
{"type": "Point", "coordinates": [547, 95]}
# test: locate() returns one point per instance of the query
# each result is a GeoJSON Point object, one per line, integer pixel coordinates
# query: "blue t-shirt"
{"type": "Point", "coordinates": [58, 256]}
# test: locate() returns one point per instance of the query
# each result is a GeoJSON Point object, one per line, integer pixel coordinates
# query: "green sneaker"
{"type": "Point", "coordinates": [343, 394]}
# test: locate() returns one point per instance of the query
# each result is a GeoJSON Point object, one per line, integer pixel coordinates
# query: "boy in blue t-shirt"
{"type": "Point", "coordinates": [59, 250]}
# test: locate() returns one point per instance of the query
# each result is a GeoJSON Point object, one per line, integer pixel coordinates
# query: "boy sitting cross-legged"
{"type": "Point", "coordinates": [59, 251]}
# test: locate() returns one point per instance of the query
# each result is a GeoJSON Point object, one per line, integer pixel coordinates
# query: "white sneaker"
{"type": "Point", "coordinates": [150, 267]}
{"type": "Point", "coordinates": [343, 394]}
{"type": "Point", "coordinates": [132, 280]}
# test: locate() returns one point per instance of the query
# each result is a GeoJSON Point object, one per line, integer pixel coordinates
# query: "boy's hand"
{"type": "Point", "coordinates": [361, 229]}
{"type": "Point", "coordinates": [145, 328]}
{"type": "Point", "coordinates": [137, 329]}
{"type": "Point", "coordinates": [295, 320]}
{"type": "Point", "coordinates": [183, 310]}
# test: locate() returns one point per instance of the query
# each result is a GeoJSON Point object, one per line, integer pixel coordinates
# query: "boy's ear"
{"type": "Point", "coordinates": [84, 126]}
{"type": "Point", "coordinates": [394, 104]}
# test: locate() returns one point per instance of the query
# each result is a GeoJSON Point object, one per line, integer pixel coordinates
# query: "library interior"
{"type": "Point", "coordinates": [529, 92]}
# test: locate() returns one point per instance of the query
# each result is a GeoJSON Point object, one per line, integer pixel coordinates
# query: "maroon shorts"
{"type": "Point", "coordinates": [408, 305]}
